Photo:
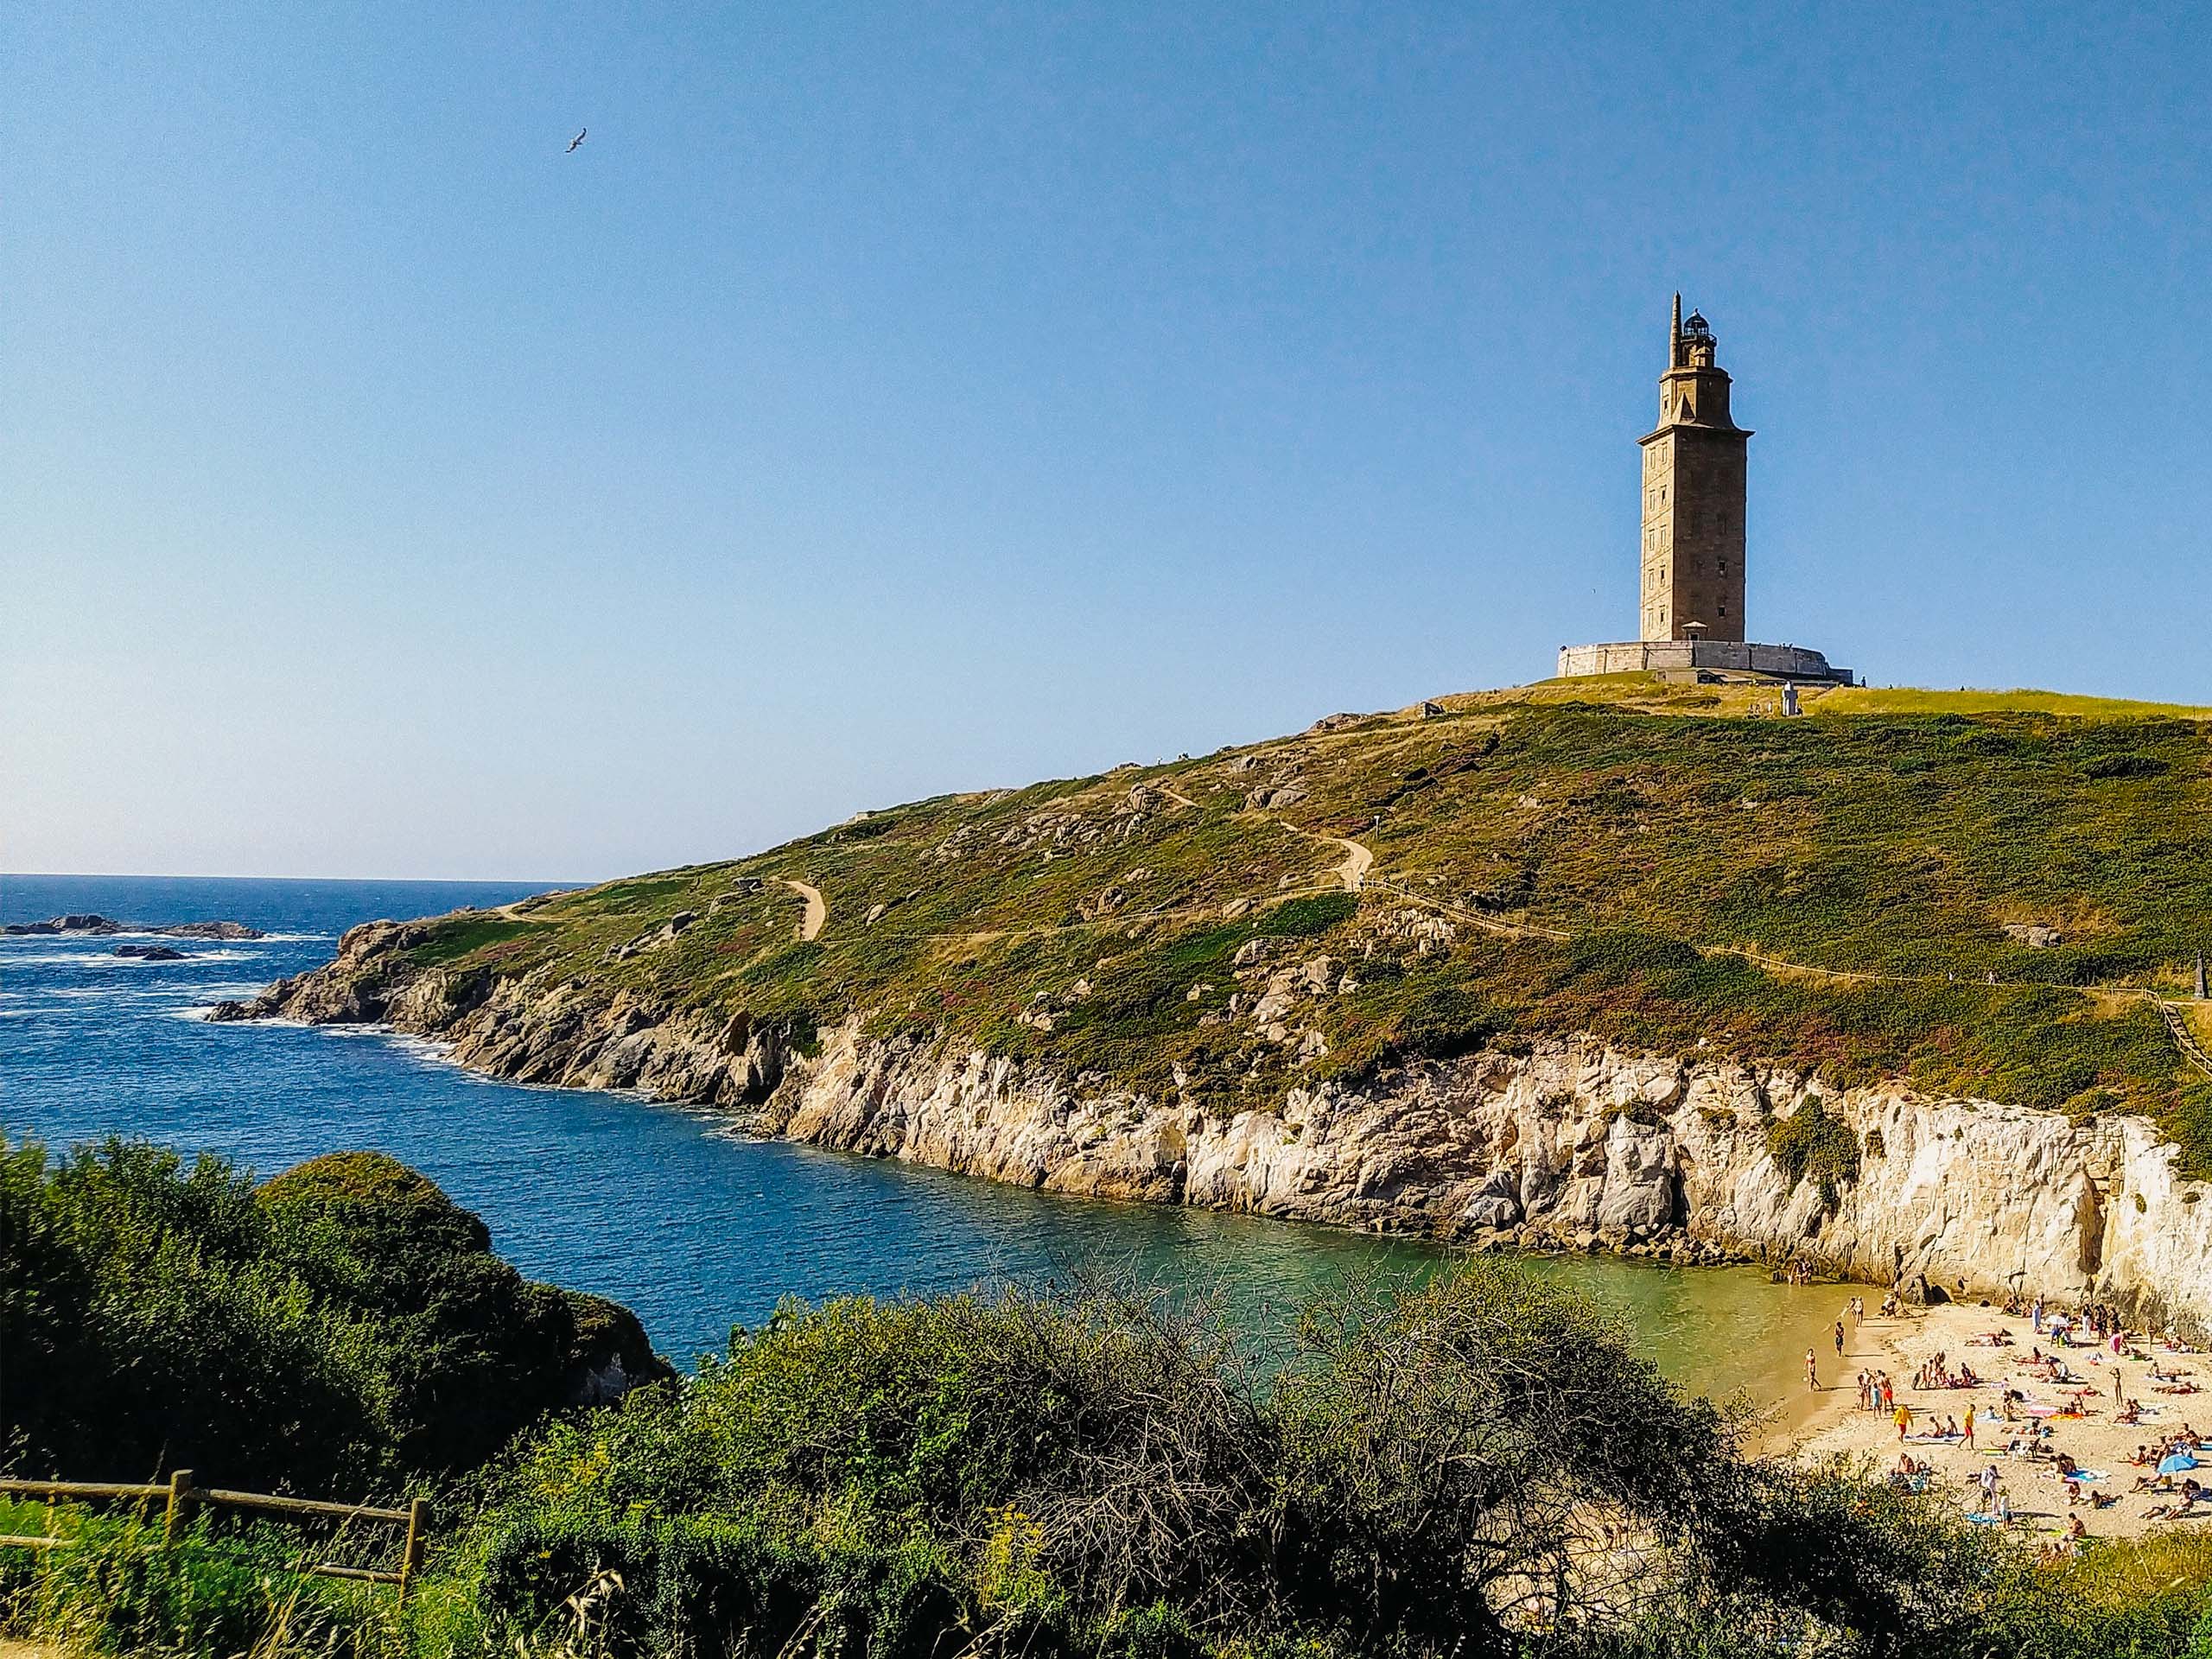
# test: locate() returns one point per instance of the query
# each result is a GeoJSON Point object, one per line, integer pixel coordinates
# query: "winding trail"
{"type": "Point", "coordinates": [1358, 860]}
{"type": "Point", "coordinates": [817, 910]}
{"type": "Point", "coordinates": [1474, 917]}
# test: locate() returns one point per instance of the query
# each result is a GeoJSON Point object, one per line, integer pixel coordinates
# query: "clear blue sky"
{"type": "Point", "coordinates": [892, 399]}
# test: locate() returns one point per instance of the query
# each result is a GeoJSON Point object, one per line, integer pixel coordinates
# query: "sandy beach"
{"type": "Point", "coordinates": [2101, 1445]}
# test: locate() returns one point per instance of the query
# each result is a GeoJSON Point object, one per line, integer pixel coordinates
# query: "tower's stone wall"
{"type": "Point", "coordinates": [1701, 656]}
{"type": "Point", "coordinates": [1694, 492]}
{"type": "Point", "coordinates": [1694, 497]}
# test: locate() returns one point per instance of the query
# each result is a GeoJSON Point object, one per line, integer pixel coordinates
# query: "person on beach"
{"type": "Point", "coordinates": [1839, 1339]}
{"type": "Point", "coordinates": [1904, 1421]}
{"type": "Point", "coordinates": [1969, 1435]}
{"type": "Point", "coordinates": [1812, 1372]}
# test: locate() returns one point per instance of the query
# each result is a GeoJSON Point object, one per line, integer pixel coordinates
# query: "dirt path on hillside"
{"type": "Point", "coordinates": [1474, 918]}
{"type": "Point", "coordinates": [817, 910]}
{"type": "Point", "coordinates": [1359, 860]}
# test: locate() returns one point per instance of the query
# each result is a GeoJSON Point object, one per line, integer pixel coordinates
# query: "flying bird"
{"type": "Point", "coordinates": [574, 142]}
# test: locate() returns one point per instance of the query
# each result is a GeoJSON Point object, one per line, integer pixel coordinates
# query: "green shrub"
{"type": "Point", "coordinates": [336, 1331]}
{"type": "Point", "coordinates": [220, 1589]}
{"type": "Point", "coordinates": [1306, 919]}
{"type": "Point", "coordinates": [1403, 1473]}
{"type": "Point", "coordinates": [2125, 766]}
{"type": "Point", "coordinates": [1100, 1474]}
{"type": "Point", "coordinates": [1811, 1144]}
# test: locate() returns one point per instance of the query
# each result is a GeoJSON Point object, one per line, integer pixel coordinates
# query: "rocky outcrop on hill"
{"type": "Point", "coordinates": [1556, 1144]}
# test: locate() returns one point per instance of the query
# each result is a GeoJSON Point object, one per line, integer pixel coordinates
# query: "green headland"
{"type": "Point", "coordinates": [1996, 894]}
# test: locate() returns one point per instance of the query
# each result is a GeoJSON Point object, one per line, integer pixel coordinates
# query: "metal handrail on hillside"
{"type": "Point", "coordinates": [180, 1497]}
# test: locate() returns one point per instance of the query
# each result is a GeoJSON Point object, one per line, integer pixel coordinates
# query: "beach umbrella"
{"type": "Point", "coordinates": [2175, 1462]}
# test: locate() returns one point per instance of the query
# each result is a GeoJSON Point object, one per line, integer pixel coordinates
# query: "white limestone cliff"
{"type": "Point", "coordinates": [1552, 1142]}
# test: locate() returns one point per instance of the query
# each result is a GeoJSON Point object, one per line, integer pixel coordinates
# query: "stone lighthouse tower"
{"type": "Point", "coordinates": [1694, 492]}
{"type": "Point", "coordinates": [1690, 568]}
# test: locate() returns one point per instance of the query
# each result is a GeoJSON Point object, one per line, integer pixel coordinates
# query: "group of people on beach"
{"type": "Point", "coordinates": [2099, 1321]}
{"type": "Point", "coordinates": [2027, 1436]}
{"type": "Point", "coordinates": [1877, 1392]}
{"type": "Point", "coordinates": [2164, 1458]}
{"type": "Point", "coordinates": [1934, 1373]}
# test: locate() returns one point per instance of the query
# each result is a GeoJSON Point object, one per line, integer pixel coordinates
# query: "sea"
{"type": "Point", "coordinates": [669, 1209]}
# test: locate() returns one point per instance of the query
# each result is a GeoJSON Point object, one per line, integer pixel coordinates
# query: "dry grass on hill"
{"type": "Point", "coordinates": [1975, 891]}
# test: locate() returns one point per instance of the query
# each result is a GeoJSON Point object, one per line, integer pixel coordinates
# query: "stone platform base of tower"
{"type": "Point", "coordinates": [1692, 656]}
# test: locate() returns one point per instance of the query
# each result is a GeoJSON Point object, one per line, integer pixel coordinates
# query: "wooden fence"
{"type": "Point", "coordinates": [180, 1497]}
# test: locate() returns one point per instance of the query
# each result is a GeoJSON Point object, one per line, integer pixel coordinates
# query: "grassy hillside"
{"type": "Point", "coordinates": [1970, 890]}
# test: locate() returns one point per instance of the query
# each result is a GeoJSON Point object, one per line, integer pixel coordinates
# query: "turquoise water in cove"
{"type": "Point", "coordinates": [661, 1207]}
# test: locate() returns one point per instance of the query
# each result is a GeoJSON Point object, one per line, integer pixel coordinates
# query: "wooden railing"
{"type": "Point", "coordinates": [2177, 1023]}
{"type": "Point", "coordinates": [180, 1497]}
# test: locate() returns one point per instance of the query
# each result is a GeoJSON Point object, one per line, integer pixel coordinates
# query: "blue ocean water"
{"type": "Point", "coordinates": [661, 1207]}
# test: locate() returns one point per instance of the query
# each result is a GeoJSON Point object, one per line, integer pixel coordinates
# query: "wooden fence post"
{"type": "Point", "coordinates": [410, 1558]}
{"type": "Point", "coordinates": [179, 1505]}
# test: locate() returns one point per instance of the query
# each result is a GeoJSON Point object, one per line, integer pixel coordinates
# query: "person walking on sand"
{"type": "Point", "coordinates": [1812, 1371]}
{"type": "Point", "coordinates": [1903, 1422]}
{"type": "Point", "coordinates": [1969, 1441]}
{"type": "Point", "coordinates": [1839, 1339]}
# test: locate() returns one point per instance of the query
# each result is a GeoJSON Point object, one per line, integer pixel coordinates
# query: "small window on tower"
{"type": "Point", "coordinates": [1724, 610]}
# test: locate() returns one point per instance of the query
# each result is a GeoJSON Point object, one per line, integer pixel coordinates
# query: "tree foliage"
{"type": "Point", "coordinates": [338, 1328]}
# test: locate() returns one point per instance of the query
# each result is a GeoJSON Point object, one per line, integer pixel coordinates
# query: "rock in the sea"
{"type": "Point", "coordinates": [151, 952]}
{"type": "Point", "coordinates": [86, 923]}
{"type": "Point", "coordinates": [96, 925]}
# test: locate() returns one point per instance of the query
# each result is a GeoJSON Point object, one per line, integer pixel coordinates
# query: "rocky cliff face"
{"type": "Point", "coordinates": [1551, 1143]}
